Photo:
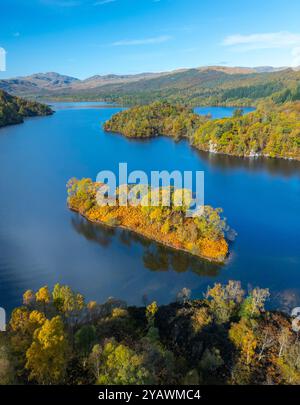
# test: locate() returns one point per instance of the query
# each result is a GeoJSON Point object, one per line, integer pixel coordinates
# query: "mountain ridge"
{"type": "Point", "coordinates": [206, 84]}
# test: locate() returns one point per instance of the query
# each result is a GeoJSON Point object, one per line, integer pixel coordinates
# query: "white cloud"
{"type": "Point", "coordinates": [272, 40]}
{"type": "Point", "coordinates": [145, 41]}
{"type": "Point", "coordinates": [260, 41]}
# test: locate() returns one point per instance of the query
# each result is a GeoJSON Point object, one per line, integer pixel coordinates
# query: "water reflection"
{"type": "Point", "coordinates": [155, 257]}
{"type": "Point", "coordinates": [282, 167]}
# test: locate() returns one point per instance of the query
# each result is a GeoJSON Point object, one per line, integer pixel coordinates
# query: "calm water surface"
{"type": "Point", "coordinates": [42, 242]}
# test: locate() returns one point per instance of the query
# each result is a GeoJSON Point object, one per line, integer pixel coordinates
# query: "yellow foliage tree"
{"type": "Point", "coordinates": [243, 337]}
{"type": "Point", "coordinates": [151, 312]}
{"type": "Point", "coordinates": [28, 297]}
{"type": "Point", "coordinates": [43, 296]}
{"type": "Point", "coordinates": [48, 353]}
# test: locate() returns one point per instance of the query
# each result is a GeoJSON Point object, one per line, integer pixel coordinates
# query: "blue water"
{"type": "Point", "coordinates": [220, 112]}
{"type": "Point", "coordinates": [78, 105]}
{"type": "Point", "coordinates": [42, 242]}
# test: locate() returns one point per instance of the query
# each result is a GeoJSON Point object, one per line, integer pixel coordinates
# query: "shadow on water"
{"type": "Point", "coordinates": [155, 257]}
{"type": "Point", "coordinates": [283, 167]}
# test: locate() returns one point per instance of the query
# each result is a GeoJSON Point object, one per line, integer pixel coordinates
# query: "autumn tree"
{"type": "Point", "coordinates": [253, 305]}
{"type": "Point", "coordinates": [289, 364]}
{"type": "Point", "coordinates": [22, 326]}
{"type": "Point", "coordinates": [68, 302]}
{"type": "Point", "coordinates": [43, 296]}
{"type": "Point", "coordinates": [201, 317]}
{"type": "Point", "coordinates": [94, 360]}
{"type": "Point", "coordinates": [29, 298]}
{"type": "Point", "coordinates": [266, 340]}
{"type": "Point", "coordinates": [121, 365]}
{"type": "Point", "coordinates": [243, 337]}
{"type": "Point", "coordinates": [48, 353]}
{"type": "Point", "coordinates": [224, 301]}
{"type": "Point", "coordinates": [151, 311]}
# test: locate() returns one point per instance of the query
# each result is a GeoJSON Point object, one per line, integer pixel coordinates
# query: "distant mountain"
{"type": "Point", "coordinates": [97, 80]}
{"type": "Point", "coordinates": [269, 69]}
{"type": "Point", "coordinates": [214, 85]}
{"type": "Point", "coordinates": [36, 83]}
{"type": "Point", "coordinates": [51, 79]}
{"type": "Point", "coordinates": [40, 83]}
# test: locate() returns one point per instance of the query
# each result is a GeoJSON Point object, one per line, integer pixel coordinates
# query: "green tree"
{"type": "Point", "coordinates": [7, 371]}
{"type": "Point", "coordinates": [238, 113]}
{"type": "Point", "coordinates": [84, 338]}
{"type": "Point", "coordinates": [121, 365]}
{"type": "Point", "coordinates": [67, 301]}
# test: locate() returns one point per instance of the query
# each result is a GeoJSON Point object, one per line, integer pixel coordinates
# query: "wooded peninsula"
{"type": "Point", "coordinates": [271, 131]}
{"type": "Point", "coordinates": [14, 109]}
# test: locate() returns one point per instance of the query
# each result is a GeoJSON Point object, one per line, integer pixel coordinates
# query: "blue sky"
{"type": "Point", "coordinates": [86, 37]}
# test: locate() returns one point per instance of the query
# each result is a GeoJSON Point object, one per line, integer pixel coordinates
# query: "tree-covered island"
{"type": "Point", "coordinates": [201, 235]}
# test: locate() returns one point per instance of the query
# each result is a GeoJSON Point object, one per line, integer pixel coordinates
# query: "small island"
{"type": "Point", "coordinates": [14, 109]}
{"type": "Point", "coordinates": [271, 131]}
{"type": "Point", "coordinates": [200, 235]}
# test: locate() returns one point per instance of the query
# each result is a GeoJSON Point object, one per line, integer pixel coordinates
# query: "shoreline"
{"type": "Point", "coordinates": [126, 228]}
{"type": "Point", "coordinates": [253, 157]}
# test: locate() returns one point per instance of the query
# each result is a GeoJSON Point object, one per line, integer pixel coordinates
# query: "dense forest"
{"type": "Point", "coordinates": [209, 87]}
{"type": "Point", "coordinates": [14, 109]}
{"type": "Point", "coordinates": [227, 337]}
{"type": "Point", "coordinates": [272, 130]}
{"type": "Point", "coordinates": [166, 222]}
{"type": "Point", "coordinates": [159, 118]}
{"type": "Point", "coordinates": [195, 87]}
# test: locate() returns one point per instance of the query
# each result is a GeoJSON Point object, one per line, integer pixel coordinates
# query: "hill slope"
{"type": "Point", "coordinates": [36, 84]}
{"type": "Point", "coordinates": [14, 109]}
{"type": "Point", "coordinates": [214, 85]}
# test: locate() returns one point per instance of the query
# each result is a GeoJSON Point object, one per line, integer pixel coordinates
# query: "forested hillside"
{"type": "Point", "coordinates": [14, 109]}
{"type": "Point", "coordinates": [272, 130]}
{"type": "Point", "coordinates": [227, 337]}
{"type": "Point", "coordinates": [211, 85]}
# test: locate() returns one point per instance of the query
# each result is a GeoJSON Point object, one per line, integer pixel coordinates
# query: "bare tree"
{"type": "Point", "coordinates": [258, 298]}
{"type": "Point", "coordinates": [283, 340]}
{"type": "Point", "coordinates": [267, 340]}
{"type": "Point", "coordinates": [183, 295]}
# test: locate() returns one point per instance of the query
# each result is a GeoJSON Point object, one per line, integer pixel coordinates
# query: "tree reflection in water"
{"type": "Point", "coordinates": [155, 257]}
{"type": "Point", "coordinates": [281, 167]}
